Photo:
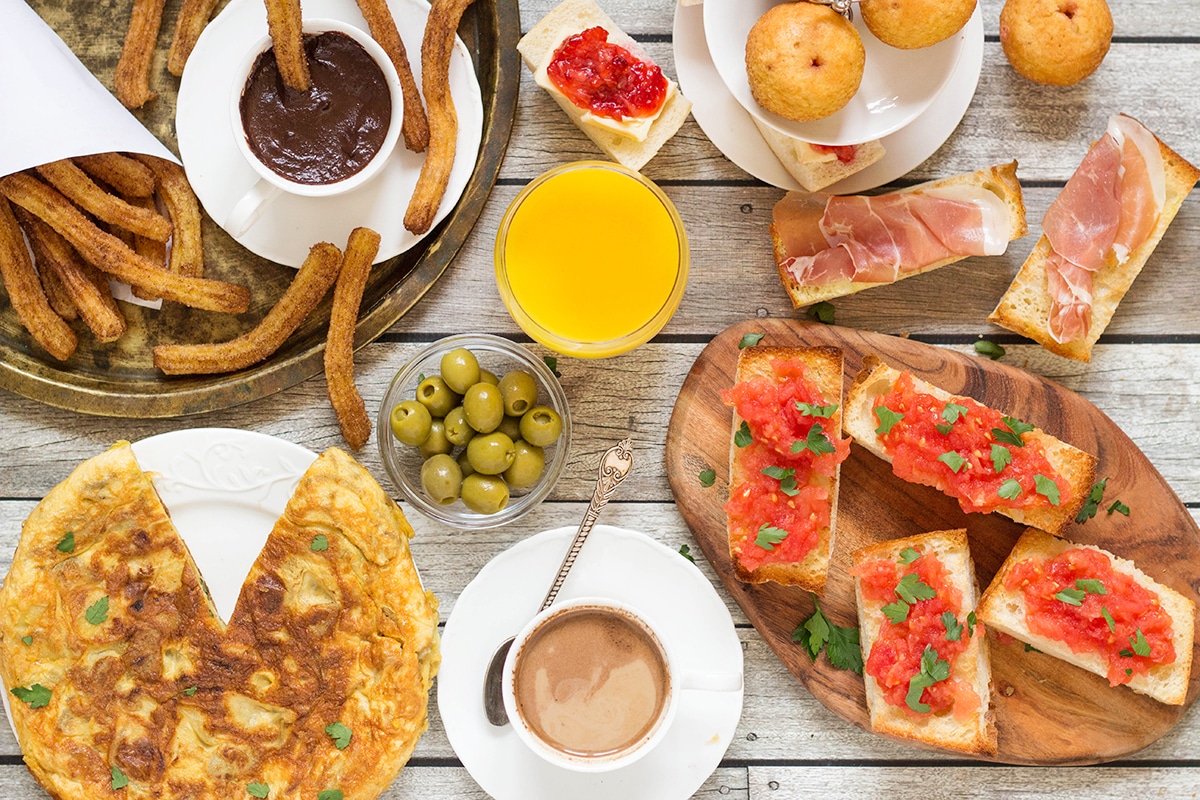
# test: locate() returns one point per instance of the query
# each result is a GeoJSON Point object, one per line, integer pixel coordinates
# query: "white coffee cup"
{"type": "Point", "coordinates": [247, 210]}
{"type": "Point", "coordinates": [676, 680]}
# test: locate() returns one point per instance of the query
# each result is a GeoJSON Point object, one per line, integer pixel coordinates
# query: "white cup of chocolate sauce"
{"type": "Point", "coordinates": [306, 170]}
{"type": "Point", "coordinates": [590, 686]}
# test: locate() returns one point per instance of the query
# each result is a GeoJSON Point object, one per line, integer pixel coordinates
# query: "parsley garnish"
{"type": "Point", "coordinates": [67, 543]}
{"type": "Point", "coordinates": [1031, 649]}
{"type": "Point", "coordinates": [786, 477]}
{"type": "Point", "coordinates": [896, 612]}
{"type": "Point", "coordinates": [816, 441]}
{"type": "Point", "coordinates": [944, 428]}
{"type": "Point", "coordinates": [1112, 625]}
{"type": "Point", "coordinates": [933, 670]}
{"type": "Point", "coordinates": [841, 644]}
{"type": "Point", "coordinates": [1119, 507]}
{"type": "Point", "coordinates": [686, 552]}
{"type": "Point", "coordinates": [1001, 457]}
{"type": "Point", "coordinates": [971, 623]}
{"type": "Point", "coordinates": [952, 412]}
{"type": "Point", "coordinates": [1010, 489]}
{"type": "Point", "coordinates": [329, 794]}
{"type": "Point", "coordinates": [258, 789]}
{"type": "Point", "coordinates": [822, 312]}
{"type": "Point", "coordinates": [1128, 671]}
{"type": "Point", "coordinates": [421, 378]}
{"type": "Point", "coordinates": [887, 419]}
{"type": "Point", "coordinates": [319, 543]}
{"type": "Point", "coordinates": [119, 780]}
{"type": "Point", "coordinates": [1092, 504]}
{"type": "Point", "coordinates": [27, 640]}
{"type": "Point", "coordinates": [989, 349]}
{"type": "Point", "coordinates": [908, 555]}
{"type": "Point", "coordinates": [1091, 586]}
{"type": "Point", "coordinates": [911, 588]}
{"type": "Point", "coordinates": [1047, 488]}
{"type": "Point", "coordinates": [743, 437]}
{"type": "Point", "coordinates": [190, 691]}
{"type": "Point", "coordinates": [36, 696]}
{"type": "Point", "coordinates": [810, 410]}
{"type": "Point", "coordinates": [708, 477]}
{"type": "Point", "coordinates": [97, 612]}
{"type": "Point", "coordinates": [778, 473]}
{"type": "Point", "coordinates": [552, 363]}
{"type": "Point", "coordinates": [768, 537]}
{"type": "Point", "coordinates": [1013, 434]}
{"type": "Point", "coordinates": [1072, 597]}
{"type": "Point", "coordinates": [954, 629]}
{"type": "Point", "coordinates": [1140, 645]}
{"type": "Point", "coordinates": [952, 460]}
{"type": "Point", "coordinates": [340, 734]}
{"type": "Point", "coordinates": [749, 340]}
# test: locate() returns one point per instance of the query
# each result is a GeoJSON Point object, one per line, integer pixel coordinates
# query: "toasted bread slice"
{"type": "Point", "coordinates": [823, 368]}
{"type": "Point", "coordinates": [567, 19]}
{"type": "Point", "coordinates": [1077, 467]}
{"type": "Point", "coordinates": [973, 732]}
{"type": "Point", "coordinates": [1025, 306]}
{"type": "Point", "coordinates": [1001, 180]}
{"type": "Point", "coordinates": [1006, 611]}
{"type": "Point", "coordinates": [814, 171]}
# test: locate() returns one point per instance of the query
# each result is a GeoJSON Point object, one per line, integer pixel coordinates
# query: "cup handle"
{"type": "Point", "coordinates": [712, 681]}
{"type": "Point", "coordinates": [247, 211]}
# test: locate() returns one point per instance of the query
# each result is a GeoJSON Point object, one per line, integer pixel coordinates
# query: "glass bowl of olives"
{"type": "Point", "coordinates": [474, 430]}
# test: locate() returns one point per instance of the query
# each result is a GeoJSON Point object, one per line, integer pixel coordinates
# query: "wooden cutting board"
{"type": "Point", "coordinates": [1047, 711]}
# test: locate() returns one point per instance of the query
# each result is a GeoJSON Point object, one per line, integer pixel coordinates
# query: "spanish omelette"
{"type": "Point", "coordinates": [128, 683]}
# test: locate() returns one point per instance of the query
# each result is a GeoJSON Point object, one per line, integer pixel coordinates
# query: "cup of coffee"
{"type": "Point", "coordinates": [590, 686]}
{"type": "Point", "coordinates": [326, 141]}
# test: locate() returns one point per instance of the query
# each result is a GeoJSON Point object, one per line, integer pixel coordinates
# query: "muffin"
{"type": "Point", "coordinates": [1057, 42]}
{"type": "Point", "coordinates": [804, 61]}
{"type": "Point", "coordinates": [909, 24]}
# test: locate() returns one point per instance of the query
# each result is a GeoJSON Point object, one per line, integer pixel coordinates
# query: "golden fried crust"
{"type": "Point", "coordinates": [1056, 42]}
{"type": "Point", "coordinates": [341, 634]}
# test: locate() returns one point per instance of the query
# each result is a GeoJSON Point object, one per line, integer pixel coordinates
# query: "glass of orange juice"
{"type": "Point", "coordinates": [591, 259]}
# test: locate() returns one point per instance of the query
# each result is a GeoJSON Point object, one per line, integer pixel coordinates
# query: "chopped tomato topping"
{"type": "Point", "coordinates": [605, 78]}
{"type": "Point", "coordinates": [1084, 628]}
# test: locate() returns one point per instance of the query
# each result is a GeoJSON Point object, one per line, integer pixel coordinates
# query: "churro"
{"type": "Point", "coordinates": [132, 78]}
{"type": "Point", "coordinates": [193, 17]}
{"type": "Point", "coordinates": [109, 254]}
{"type": "Point", "coordinates": [347, 403]}
{"type": "Point", "coordinates": [187, 249]}
{"type": "Point", "coordinates": [56, 293]}
{"type": "Point", "coordinates": [287, 33]}
{"type": "Point", "coordinates": [383, 30]}
{"type": "Point", "coordinates": [25, 291]}
{"type": "Point", "coordinates": [83, 191]}
{"type": "Point", "coordinates": [436, 49]}
{"type": "Point", "coordinates": [317, 273]}
{"type": "Point", "coordinates": [121, 173]}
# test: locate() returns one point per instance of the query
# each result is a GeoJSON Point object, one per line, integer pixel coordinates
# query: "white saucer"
{"type": "Point", "coordinates": [731, 129]}
{"type": "Point", "coordinates": [292, 224]}
{"type": "Point", "coordinates": [615, 563]}
{"type": "Point", "coordinates": [897, 85]}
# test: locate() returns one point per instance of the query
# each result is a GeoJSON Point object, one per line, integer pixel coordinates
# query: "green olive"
{"type": "Point", "coordinates": [491, 453]}
{"type": "Point", "coordinates": [484, 494]}
{"type": "Point", "coordinates": [541, 425]}
{"type": "Point", "coordinates": [458, 430]}
{"type": "Point", "coordinates": [527, 466]}
{"type": "Point", "coordinates": [510, 427]}
{"type": "Point", "coordinates": [437, 441]}
{"type": "Point", "coordinates": [441, 478]}
{"type": "Point", "coordinates": [410, 422]}
{"type": "Point", "coordinates": [484, 406]}
{"type": "Point", "coordinates": [460, 369]}
{"type": "Point", "coordinates": [434, 394]}
{"type": "Point", "coordinates": [487, 376]}
{"type": "Point", "coordinates": [520, 392]}
{"type": "Point", "coordinates": [464, 464]}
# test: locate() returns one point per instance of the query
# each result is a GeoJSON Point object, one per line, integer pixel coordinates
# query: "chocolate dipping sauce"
{"type": "Point", "coordinates": [331, 131]}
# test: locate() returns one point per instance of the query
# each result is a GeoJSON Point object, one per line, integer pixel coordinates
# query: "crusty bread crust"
{"type": "Point", "coordinates": [974, 734]}
{"type": "Point", "coordinates": [825, 370]}
{"type": "Point", "coordinates": [1025, 306]}
{"type": "Point", "coordinates": [1001, 180]}
{"type": "Point", "coordinates": [1005, 611]}
{"type": "Point", "coordinates": [568, 18]}
{"type": "Point", "coordinates": [1078, 467]}
{"type": "Point", "coordinates": [816, 175]}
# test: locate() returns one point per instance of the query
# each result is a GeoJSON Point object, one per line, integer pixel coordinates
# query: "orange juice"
{"type": "Point", "coordinates": [591, 259]}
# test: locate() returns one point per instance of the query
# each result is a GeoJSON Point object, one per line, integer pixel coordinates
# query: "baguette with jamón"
{"type": "Point", "coordinates": [1083, 597]}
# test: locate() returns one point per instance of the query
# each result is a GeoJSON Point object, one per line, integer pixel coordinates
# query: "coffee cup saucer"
{"type": "Point", "coordinates": [291, 224]}
{"type": "Point", "coordinates": [616, 563]}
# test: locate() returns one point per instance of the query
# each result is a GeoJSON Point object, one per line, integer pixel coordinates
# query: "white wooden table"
{"type": "Point", "coordinates": [1144, 374]}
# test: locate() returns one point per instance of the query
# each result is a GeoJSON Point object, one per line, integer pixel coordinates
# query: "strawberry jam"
{"type": "Point", "coordinates": [968, 452]}
{"type": "Point", "coordinates": [844, 152]}
{"type": "Point", "coordinates": [1131, 608]}
{"type": "Point", "coordinates": [786, 469]}
{"type": "Point", "coordinates": [605, 78]}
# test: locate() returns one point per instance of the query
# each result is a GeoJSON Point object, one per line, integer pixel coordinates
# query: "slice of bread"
{"type": "Point", "coordinates": [974, 732]}
{"type": "Point", "coordinates": [1001, 180]}
{"type": "Point", "coordinates": [824, 368]}
{"type": "Point", "coordinates": [1005, 611]}
{"type": "Point", "coordinates": [812, 170]}
{"type": "Point", "coordinates": [1025, 307]}
{"type": "Point", "coordinates": [567, 19]}
{"type": "Point", "coordinates": [1077, 467]}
